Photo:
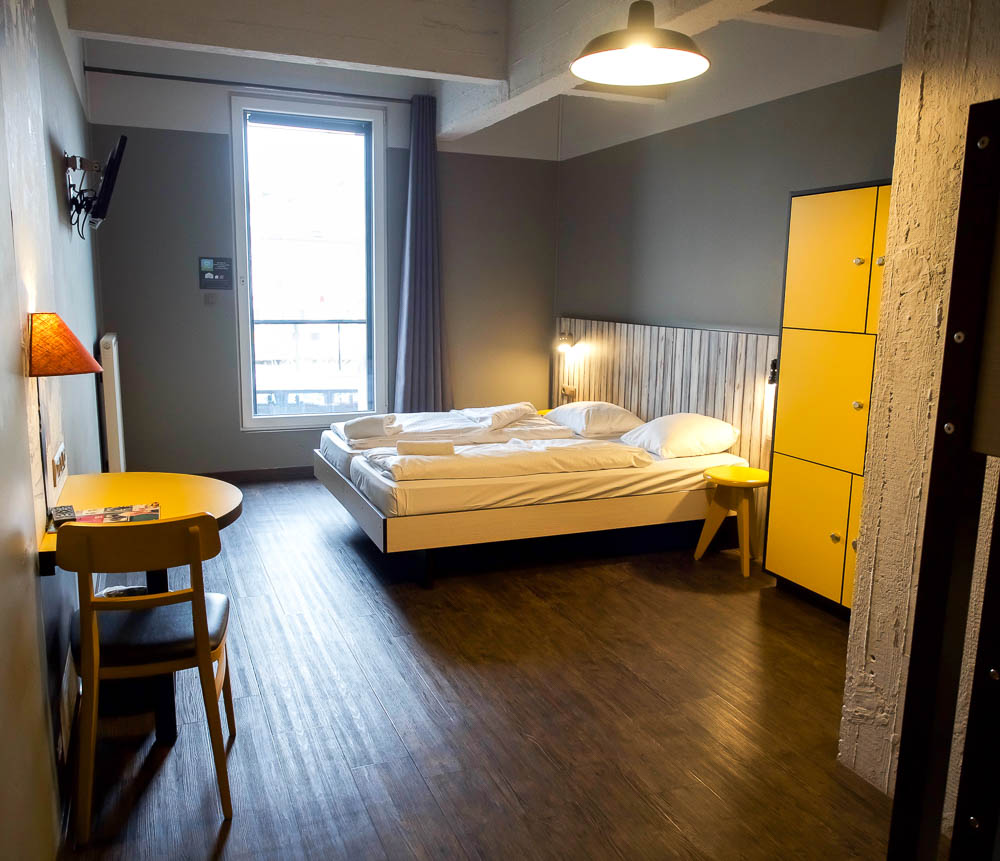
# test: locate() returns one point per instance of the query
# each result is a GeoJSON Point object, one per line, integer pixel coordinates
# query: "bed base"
{"type": "Point", "coordinates": [457, 528]}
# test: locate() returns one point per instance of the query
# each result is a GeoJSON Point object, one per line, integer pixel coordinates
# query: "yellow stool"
{"type": "Point", "coordinates": [733, 492]}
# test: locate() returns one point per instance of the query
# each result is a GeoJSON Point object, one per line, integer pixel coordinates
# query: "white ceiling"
{"type": "Point", "coordinates": [751, 64]}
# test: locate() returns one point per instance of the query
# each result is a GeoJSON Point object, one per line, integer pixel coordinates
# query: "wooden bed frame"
{"type": "Point", "coordinates": [651, 370]}
{"type": "Point", "coordinates": [452, 529]}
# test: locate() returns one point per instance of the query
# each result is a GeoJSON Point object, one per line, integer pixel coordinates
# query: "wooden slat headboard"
{"type": "Point", "coordinates": [656, 370]}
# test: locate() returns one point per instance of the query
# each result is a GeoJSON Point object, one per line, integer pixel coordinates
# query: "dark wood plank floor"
{"type": "Point", "coordinates": [592, 697]}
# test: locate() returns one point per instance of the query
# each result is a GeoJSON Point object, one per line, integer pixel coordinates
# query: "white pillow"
{"type": "Point", "coordinates": [594, 418]}
{"type": "Point", "coordinates": [683, 435]}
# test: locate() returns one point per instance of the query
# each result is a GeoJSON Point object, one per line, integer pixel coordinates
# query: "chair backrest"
{"type": "Point", "coordinates": [151, 545]}
{"type": "Point", "coordinates": [119, 548]}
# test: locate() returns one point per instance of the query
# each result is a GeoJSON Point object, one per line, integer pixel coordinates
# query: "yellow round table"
{"type": "Point", "coordinates": [734, 487]}
{"type": "Point", "coordinates": [178, 495]}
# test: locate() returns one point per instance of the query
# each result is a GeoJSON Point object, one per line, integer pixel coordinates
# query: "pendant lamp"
{"type": "Point", "coordinates": [641, 55]}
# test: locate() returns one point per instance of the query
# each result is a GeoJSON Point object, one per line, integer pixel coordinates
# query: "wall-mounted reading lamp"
{"type": "Point", "coordinates": [566, 342]}
{"type": "Point", "coordinates": [54, 351]}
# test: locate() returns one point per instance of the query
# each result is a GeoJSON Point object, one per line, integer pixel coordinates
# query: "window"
{"type": "Point", "coordinates": [310, 216]}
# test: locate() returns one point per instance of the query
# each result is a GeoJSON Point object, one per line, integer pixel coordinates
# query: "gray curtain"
{"type": "Point", "coordinates": [422, 382]}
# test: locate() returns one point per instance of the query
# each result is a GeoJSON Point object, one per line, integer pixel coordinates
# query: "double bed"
{"type": "Point", "coordinates": [427, 513]}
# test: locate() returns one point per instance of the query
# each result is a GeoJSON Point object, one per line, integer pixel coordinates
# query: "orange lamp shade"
{"type": "Point", "coordinates": [55, 351]}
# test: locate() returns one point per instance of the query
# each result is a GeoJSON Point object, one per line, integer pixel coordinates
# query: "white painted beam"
{"type": "Point", "coordinates": [636, 95]}
{"type": "Point", "coordinates": [845, 18]}
{"type": "Point", "coordinates": [545, 36]}
{"type": "Point", "coordinates": [455, 39]}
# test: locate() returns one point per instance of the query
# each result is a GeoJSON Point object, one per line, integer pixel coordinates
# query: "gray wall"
{"type": "Point", "coordinates": [498, 218]}
{"type": "Point", "coordinates": [688, 227]}
{"type": "Point", "coordinates": [180, 374]}
{"type": "Point", "coordinates": [42, 267]}
{"type": "Point", "coordinates": [179, 364]}
{"type": "Point", "coordinates": [74, 298]}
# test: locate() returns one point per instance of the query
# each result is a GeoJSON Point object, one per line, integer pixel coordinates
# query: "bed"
{"type": "Point", "coordinates": [425, 514]}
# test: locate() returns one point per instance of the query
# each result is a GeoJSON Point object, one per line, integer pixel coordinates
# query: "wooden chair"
{"type": "Point", "coordinates": [146, 635]}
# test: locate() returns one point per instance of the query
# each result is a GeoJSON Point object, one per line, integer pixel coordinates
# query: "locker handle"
{"type": "Point", "coordinates": [857, 261]}
{"type": "Point", "coordinates": [857, 405]}
{"type": "Point", "coordinates": [854, 545]}
{"type": "Point", "coordinates": [835, 537]}
{"type": "Point", "coordinates": [880, 261]}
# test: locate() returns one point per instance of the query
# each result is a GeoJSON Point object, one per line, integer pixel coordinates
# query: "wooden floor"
{"type": "Point", "coordinates": [563, 698]}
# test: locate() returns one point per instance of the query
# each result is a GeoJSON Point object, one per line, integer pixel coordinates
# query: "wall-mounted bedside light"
{"type": "Point", "coordinates": [566, 342]}
{"type": "Point", "coordinates": [54, 351]}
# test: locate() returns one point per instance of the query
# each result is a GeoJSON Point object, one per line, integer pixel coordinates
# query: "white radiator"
{"type": "Point", "coordinates": [113, 427]}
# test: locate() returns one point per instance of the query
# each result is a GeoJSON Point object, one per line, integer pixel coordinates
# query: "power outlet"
{"type": "Point", "coordinates": [58, 464]}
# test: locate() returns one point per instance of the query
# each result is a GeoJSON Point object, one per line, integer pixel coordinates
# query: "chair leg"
{"type": "Point", "coordinates": [85, 752]}
{"type": "Point", "coordinates": [743, 525]}
{"type": "Point", "coordinates": [211, 698]}
{"type": "Point", "coordinates": [718, 511]}
{"type": "Point", "coordinates": [227, 694]}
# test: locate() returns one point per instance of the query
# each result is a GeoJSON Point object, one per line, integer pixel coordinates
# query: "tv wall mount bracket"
{"type": "Point", "coordinates": [78, 194]}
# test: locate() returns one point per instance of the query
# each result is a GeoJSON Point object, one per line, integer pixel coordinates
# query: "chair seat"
{"type": "Point", "coordinates": [130, 637]}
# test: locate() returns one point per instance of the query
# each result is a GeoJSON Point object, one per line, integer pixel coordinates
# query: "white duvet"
{"type": "Point", "coordinates": [513, 458]}
{"type": "Point", "coordinates": [458, 428]}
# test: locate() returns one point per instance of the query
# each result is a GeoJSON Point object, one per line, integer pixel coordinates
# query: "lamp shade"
{"type": "Point", "coordinates": [641, 55]}
{"type": "Point", "coordinates": [55, 351]}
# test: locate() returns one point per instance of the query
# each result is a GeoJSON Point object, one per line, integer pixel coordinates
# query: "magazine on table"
{"type": "Point", "coordinates": [120, 514]}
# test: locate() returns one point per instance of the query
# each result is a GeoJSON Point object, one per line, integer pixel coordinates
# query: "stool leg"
{"type": "Point", "coordinates": [755, 537]}
{"type": "Point", "coordinates": [718, 511]}
{"type": "Point", "coordinates": [743, 526]}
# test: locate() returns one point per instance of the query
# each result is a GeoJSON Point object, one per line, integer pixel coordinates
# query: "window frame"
{"type": "Point", "coordinates": [378, 323]}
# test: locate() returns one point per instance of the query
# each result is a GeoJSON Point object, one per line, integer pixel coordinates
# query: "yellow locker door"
{"type": "Point", "coordinates": [878, 257]}
{"type": "Point", "coordinates": [851, 550]}
{"type": "Point", "coordinates": [807, 524]}
{"type": "Point", "coordinates": [829, 251]}
{"type": "Point", "coordinates": [824, 382]}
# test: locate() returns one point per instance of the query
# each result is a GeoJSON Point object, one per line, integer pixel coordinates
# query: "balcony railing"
{"type": "Point", "coordinates": [321, 371]}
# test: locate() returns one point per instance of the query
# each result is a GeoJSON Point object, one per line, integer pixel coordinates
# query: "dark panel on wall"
{"type": "Point", "coordinates": [688, 227]}
{"type": "Point", "coordinates": [498, 219]}
{"type": "Point", "coordinates": [179, 361]}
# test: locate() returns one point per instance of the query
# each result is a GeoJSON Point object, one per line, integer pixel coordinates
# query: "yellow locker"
{"type": "Point", "coordinates": [823, 390]}
{"type": "Point", "coordinates": [851, 550]}
{"type": "Point", "coordinates": [807, 524]}
{"type": "Point", "coordinates": [878, 257]}
{"type": "Point", "coordinates": [829, 260]}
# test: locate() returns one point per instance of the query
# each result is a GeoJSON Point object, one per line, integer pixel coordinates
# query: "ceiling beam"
{"type": "Point", "coordinates": [844, 18]}
{"type": "Point", "coordinates": [544, 37]}
{"type": "Point", "coordinates": [450, 39]}
{"type": "Point", "coordinates": [639, 95]}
